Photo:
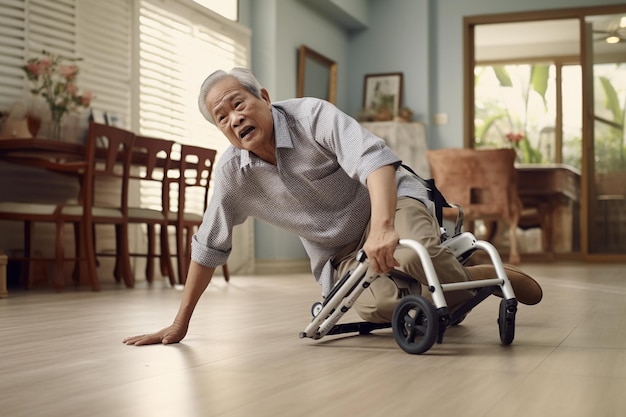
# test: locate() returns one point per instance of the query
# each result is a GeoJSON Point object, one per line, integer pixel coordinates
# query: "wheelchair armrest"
{"type": "Point", "coordinates": [458, 225]}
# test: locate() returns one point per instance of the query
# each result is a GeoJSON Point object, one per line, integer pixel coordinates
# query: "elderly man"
{"type": "Point", "coordinates": [304, 165]}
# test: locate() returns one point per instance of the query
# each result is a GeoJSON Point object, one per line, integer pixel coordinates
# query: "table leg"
{"type": "Point", "coordinates": [3, 276]}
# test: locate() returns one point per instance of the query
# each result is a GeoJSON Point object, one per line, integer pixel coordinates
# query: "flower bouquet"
{"type": "Point", "coordinates": [525, 152]}
{"type": "Point", "coordinates": [55, 81]}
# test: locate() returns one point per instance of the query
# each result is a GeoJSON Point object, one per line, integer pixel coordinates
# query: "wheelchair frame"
{"type": "Point", "coordinates": [416, 322]}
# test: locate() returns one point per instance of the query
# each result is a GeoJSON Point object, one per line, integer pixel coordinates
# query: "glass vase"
{"type": "Point", "coordinates": [56, 124]}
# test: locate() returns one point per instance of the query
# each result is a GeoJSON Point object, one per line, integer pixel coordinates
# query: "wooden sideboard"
{"type": "Point", "coordinates": [407, 140]}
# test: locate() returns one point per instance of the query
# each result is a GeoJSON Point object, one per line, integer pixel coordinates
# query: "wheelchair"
{"type": "Point", "coordinates": [417, 323]}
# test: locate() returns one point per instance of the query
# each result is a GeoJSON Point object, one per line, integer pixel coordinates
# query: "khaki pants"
{"type": "Point", "coordinates": [413, 221]}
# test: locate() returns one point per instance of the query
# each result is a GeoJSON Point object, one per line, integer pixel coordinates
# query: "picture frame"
{"type": "Point", "coordinates": [382, 93]}
{"type": "Point", "coordinates": [317, 75]}
{"type": "Point", "coordinates": [114, 119]}
{"type": "Point", "coordinates": [98, 116]}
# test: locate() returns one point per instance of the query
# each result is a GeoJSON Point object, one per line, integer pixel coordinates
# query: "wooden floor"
{"type": "Point", "coordinates": [61, 355]}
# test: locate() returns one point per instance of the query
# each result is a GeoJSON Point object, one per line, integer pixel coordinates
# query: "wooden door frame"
{"type": "Point", "coordinates": [469, 24]}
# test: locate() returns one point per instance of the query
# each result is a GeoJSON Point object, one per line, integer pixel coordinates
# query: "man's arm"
{"type": "Point", "coordinates": [198, 278]}
{"type": "Point", "coordinates": [383, 238]}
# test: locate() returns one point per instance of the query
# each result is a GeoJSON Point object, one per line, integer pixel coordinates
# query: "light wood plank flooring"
{"type": "Point", "coordinates": [61, 355]}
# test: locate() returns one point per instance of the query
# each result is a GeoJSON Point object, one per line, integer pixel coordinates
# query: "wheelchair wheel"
{"type": "Point", "coordinates": [506, 321]}
{"type": "Point", "coordinates": [415, 324]}
{"type": "Point", "coordinates": [316, 308]}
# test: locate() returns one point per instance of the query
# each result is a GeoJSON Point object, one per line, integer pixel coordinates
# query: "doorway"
{"type": "Point", "coordinates": [605, 161]}
{"type": "Point", "coordinates": [552, 85]}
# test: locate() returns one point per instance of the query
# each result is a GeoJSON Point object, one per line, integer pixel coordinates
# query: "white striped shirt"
{"type": "Point", "coordinates": [317, 189]}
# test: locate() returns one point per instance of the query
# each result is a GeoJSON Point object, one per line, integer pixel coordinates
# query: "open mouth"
{"type": "Point", "coordinates": [246, 132]}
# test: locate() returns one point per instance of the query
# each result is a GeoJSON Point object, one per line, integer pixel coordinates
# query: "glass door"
{"type": "Point", "coordinates": [605, 157]}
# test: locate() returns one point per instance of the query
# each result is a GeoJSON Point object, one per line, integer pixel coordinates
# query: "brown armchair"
{"type": "Point", "coordinates": [483, 183]}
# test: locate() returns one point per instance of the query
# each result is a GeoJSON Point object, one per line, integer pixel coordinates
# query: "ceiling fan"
{"type": "Point", "coordinates": [615, 33]}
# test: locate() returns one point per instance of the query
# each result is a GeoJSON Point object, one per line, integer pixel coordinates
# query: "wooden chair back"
{"type": "Point", "coordinates": [109, 153]}
{"type": "Point", "coordinates": [483, 182]}
{"type": "Point", "coordinates": [150, 205]}
{"type": "Point", "coordinates": [151, 162]}
{"type": "Point", "coordinates": [195, 171]}
{"type": "Point", "coordinates": [195, 168]}
{"type": "Point", "coordinates": [105, 192]}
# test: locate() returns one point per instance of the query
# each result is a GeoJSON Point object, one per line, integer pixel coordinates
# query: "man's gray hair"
{"type": "Point", "coordinates": [245, 77]}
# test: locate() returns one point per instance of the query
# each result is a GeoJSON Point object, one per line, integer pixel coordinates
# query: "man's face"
{"type": "Point", "coordinates": [243, 118]}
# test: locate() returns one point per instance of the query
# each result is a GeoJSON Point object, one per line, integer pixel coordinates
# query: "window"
{"type": "Point", "coordinates": [104, 45]}
{"type": "Point", "coordinates": [180, 43]}
{"type": "Point", "coordinates": [73, 29]}
{"type": "Point", "coordinates": [26, 28]}
{"type": "Point", "coordinates": [610, 109]}
{"type": "Point", "coordinates": [178, 48]}
{"type": "Point", "coordinates": [517, 106]}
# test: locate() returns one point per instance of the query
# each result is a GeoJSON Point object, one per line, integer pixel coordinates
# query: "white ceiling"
{"type": "Point", "coordinates": [547, 38]}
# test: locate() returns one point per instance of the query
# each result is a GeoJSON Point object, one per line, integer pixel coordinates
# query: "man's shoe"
{"type": "Point", "coordinates": [527, 290]}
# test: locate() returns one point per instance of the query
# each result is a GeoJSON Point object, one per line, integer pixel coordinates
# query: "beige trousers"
{"type": "Point", "coordinates": [413, 221]}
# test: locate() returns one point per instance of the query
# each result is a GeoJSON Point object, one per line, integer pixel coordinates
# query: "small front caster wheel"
{"type": "Point", "coordinates": [415, 324]}
{"type": "Point", "coordinates": [506, 320]}
{"type": "Point", "coordinates": [316, 308]}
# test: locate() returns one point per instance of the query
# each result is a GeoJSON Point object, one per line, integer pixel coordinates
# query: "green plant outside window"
{"type": "Point", "coordinates": [516, 107]}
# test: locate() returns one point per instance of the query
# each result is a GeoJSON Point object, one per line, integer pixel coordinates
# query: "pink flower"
{"type": "Point", "coordinates": [68, 71]}
{"type": "Point", "coordinates": [55, 81]}
{"type": "Point", "coordinates": [33, 68]}
{"type": "Point", "coordinates": [515, 137]}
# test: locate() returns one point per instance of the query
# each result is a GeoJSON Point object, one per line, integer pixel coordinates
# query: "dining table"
{"type": "Point", "coordinates": [40, 152]}
{"type": "Point", "coordinates": [54, 156]}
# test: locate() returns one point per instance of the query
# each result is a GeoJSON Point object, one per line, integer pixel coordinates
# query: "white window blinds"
{"type": "Point", "coordinates": [97, 32]}
{"type": "Point", "coordinates": [104, 33]}
{"type": "Point", "coordinates": [27, 28]}
{"type": "Point", "coordinates": [12, 46]}
{"type": "Point", "coordinates": [51, 26]}
{"type": "Point", "coordinates": [180, 43]}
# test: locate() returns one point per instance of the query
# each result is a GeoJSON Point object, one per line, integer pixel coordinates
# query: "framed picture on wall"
{"type": "Point", "coordinates": [98, 116]}
{"type": "Point", "coordinates": [114, 119]}
{"type": "Point", "coordinates": [317, 75]}
{"type": "Point", "coordinates": [382, 93]}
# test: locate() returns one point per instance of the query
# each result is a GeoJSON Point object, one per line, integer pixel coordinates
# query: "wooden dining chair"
{"type": "Point", "coordinates": [148, 181]}
{"type": "Point", "coordinates": [105, 200]}
{"type": "Point", "coordinates": [195, 167]}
